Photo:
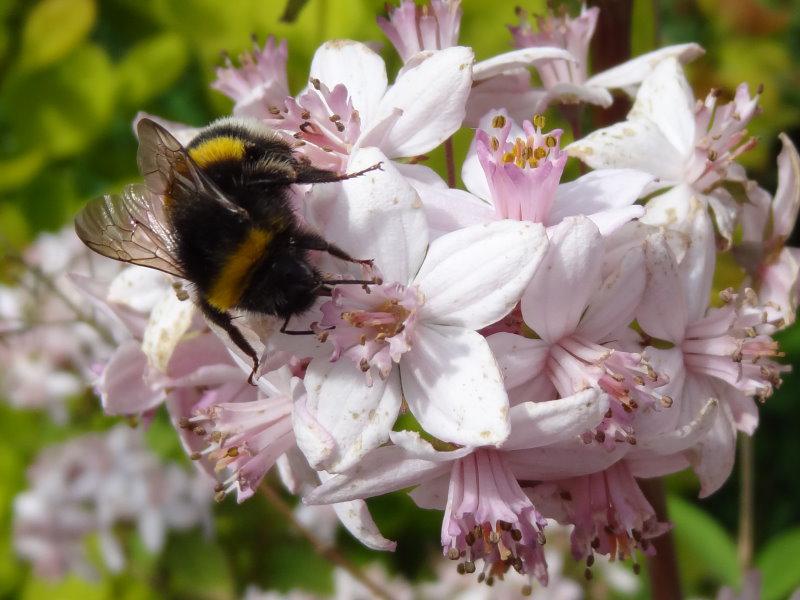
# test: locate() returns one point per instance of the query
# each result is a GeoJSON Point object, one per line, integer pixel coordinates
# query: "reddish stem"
{"type": "Point", "coordinates": [665, 583]}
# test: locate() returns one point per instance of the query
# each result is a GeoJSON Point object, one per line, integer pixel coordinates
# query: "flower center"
{"type": "Point", "coordinates": [372, 326]}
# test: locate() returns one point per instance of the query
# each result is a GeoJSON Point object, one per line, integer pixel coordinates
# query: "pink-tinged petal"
{"type": "Point", "coordinates": [614, 304]}
{"type": "Point", "coordinates": [662, 312]}
{"type": "Point", "coordinates": [779, 283]}
{"type": "Point", "coordinates": [130, 320]}
{"type": "Point", "coordinates": [428, 118]}
{"type": "Point", "coordinates": [658, 419]}
{"type": "Point", "coordinates": [713, 457]}
{"type": "Point", "coordinates": [698, 264]}
{"type": "Point", "coordinates": [571, 93]}
{"type": "Point", "coordinates": [685, 436]}
{"type": "Point", "coordinates": [295, 472]}
{"type": "Point", "coordinates": [666, 99]}
{"type": "Point", "coordinates": [567, 278]}
{"type": "Point", "coordinates": [537, 424]}
{"type": "Point", "coordinates": [418, 174]}
{"type": "Point", "coordinates": [358, 67]}
{"type": "Point", "coordinates": [649, 464]}
{"type": "Point", "coordinates": [379, 216]}
{"type": "Point", "coordinates": [475, 276]}
{"type": "Point", "coordinates": [451, 209]}
{"type": "Point", "coordinates": [358, 417]}
{"type": "Point", "coordinates": [598, 191]}
{"type": "Point", "coordinates": [416, 447]}
{"type": "Point", "coordinates": [562, 461]}
{"type": "Point", "coordinates": [634, 71]}
{"type": "Point", "coordinates": [432, 495]}
{"type": "Point", "coordinates": [180, 131]}
{"type": "Point", "coordinates": [383, 470]}
{"type": "Point", "coordinates": [356, 518]}
{"type": "Point", "coordinates": [726, 212]}
{"type": "Point", "coordinates": [313, 439]}
{"type": "Point", "coordinates": [744, 410]}
{"type": "Point", "coordinates": [520, 359]}
{"type": "Point", "coordinates": [522, 58]}
{"type": "Point", "coordinates": [453, 386]}
{"type": "Point", "coordinates": [635, 144]}
{"type": "Point", "coordinates": [138, 288]}
{"type": "Point", "coordinates": [169, 321]}
{"type": "Point", "coordinates": [787, 197]}
{"type": "Point", "coordinates": [609, 221]}
{"type": "Point", "coordinates": [122, 386]}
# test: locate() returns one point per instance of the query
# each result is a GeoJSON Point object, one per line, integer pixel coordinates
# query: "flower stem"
{"type": "Point", "coordinates": [746, 502]}
{"type": "Point", "coordinates": [451, 162]}
{"type": "Point", "coordinates": [328, 553]}
{"type": "Point", "coordinates": [663, 566]}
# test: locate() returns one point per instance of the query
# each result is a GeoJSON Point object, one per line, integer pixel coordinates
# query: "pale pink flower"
{"type": "Point", "coordinates": [716, 353]}
{"type": "Point", "coordinates": [569, 82]}
{"type": "Point", "coordinates": [609, 512]}
{"type": "Point", "coordinates": [441, 295]}
{"type": "Point", "coordinates": [412, 28]}
{"type": "Point", "coordinates": [258, 82]}
{"type": "Point", "coordinates": [767, 223]}
{"type": "Point", "coordinates": [92, 484]}
{"type": "Point", "coordinates": [689, 147]}
{"type": "Point", "coordinates": [514, 173]}
{"type": "Point", "coordinates": [580, 313]}
{"type": "Point", "coordinates": [487, 516]}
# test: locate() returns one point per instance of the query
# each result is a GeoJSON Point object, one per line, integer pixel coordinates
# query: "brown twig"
{"type": "Point", "coordinates": [451, 162]}
{"type": "Point", "coordinates": [328, 553]}
{"type": "Point", "coordinates": [665, 583]}
{"type": "Point", "coordinates": [746, 502]}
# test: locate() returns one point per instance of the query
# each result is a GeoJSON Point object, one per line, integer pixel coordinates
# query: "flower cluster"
{"type": "Point", "coordinates": [535, 345]}
{"type": "Point", "coordinates": [94, 485]}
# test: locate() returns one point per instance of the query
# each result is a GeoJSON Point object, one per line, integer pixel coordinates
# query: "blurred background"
{"type": "Point", "coordinates": [73, 73]}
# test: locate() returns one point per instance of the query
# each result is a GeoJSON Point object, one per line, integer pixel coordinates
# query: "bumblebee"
{"type": "Point", "coordinates": [217, 214]}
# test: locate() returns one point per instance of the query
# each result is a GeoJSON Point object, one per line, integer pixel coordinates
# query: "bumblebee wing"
{"type": "Point", "coordinates": [129, 227]}
{"type": "Point", "coordinates": [169, 171]}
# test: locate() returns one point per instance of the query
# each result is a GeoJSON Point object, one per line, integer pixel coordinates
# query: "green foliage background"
{"type": "Point", "coordinates": [73, 73]}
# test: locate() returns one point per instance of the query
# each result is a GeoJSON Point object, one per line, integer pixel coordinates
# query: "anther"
{"type": "Point", "coordinates": [590, 560]}
{"type": "Point", "coordinates": [526, 590]}
{"type": "Point", "coordinates": [274, 110]}
{"type": "Point", "coordinates": [637, 568]}
{"type": "Point", "coordinates": [494, 144]}
{"type": "Point", "coordinates": [334, 117]}
{"type": "Point", "coordinates": [315, 82]}
{"type": "Point", "coordinates": [550, 141]}
{"type": "Point", "coordinates": [305, 115]}
{"type": "Point", "coordinates": [516, 535]}
{"type": "Point", "coordinates": [469, 567]}
{"type": "Point", "coordinates": [587, 573]}
{"type": "Point", "coordinates": [490, 581]}
{"type": "Point", "coordinates": [539, 121]}
{"type": "Point", "coordinates": [219, 496]}
{"type": "Point", "coordinates": [233, 452]}
{"type": "Point", "coordinates": [460, 569]}
{"type": "Point", "coordinates": [339, 126]}
{"type": "Point", "coordinates": [452, 554]}
{"type": "Point", "coordinates": [498, 122]}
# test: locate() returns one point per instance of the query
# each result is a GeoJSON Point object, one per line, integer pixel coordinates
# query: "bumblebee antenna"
{"type": "Point", "coordinates": [310, 174]}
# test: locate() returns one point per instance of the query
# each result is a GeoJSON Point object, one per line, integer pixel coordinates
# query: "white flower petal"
{"type": "Point", "coordinates": [453, 386]}
{"type": "Point", "coordinates": [432, 495]}
{"type": "Point", "coordinates": [561, 461]}
{"type": "Point", "coordinates": [662, 312]}
{"type": "Point", "coordinates": [450, 209]}
{"type": "Point", "coordinates": [520, 359]}
{"type": "Point", "coordinates": [634, 71]}
{"type": "Point", "coordinates": [383, 470]}
{"type": "Point", "coordinates": [510, 61]}
{"type": "Point", "coordinates": [433, 98]}
{"type": "Point", "coordinates": [169, 321]}
{"type": "Point", "coordinates": [787, 197]}
{"type": "Point", "coordinates": [685, 436]}
{"type": "Point", "coordinates": [570, 93]}
{"type": "Point", "coordinates": [416, 447]}
{"type": "Point", "coordinates": [512, 91]}
{"type": "Point", "coordinates": [358, 417]}
{"type": "Point", "coordinates": [567, 278]}
{"type": "Point", "coordinates": [356, 66]}
{"type": "Point", "coordinates": [666, 99]}
{"type": "Point", "coordinates": [598, 191]}
{"type": "Point", "coordinates": [379, 216]}
{"type": "Point", "coordinates": [475, 276]}
{"type": "Point", "coordinates": [615, 302]}
{"type": "Point", "coordinates": [537, 424]}
{"type": "Point", "coordinates": [634, 144]}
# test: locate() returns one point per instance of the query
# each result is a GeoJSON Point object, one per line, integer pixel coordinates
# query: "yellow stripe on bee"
{"type": "Point", "coordinates": [235, 273]}
{"type": "Point", "coordinates": [217, 149]}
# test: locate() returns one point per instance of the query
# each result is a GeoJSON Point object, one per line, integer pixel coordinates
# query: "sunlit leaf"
{"type": "Point", "coordinates": [779, 563]}
{"type": "Point", "coordinates": [18, 170]}
{"type": "Point", "coordinates": [704, 547]}
{"type": "Point", "coordinates": [53, 28]}
{"type": "Point", "coordinates": [71, 588]}
{"type": "Point", "coordinates": [151, 67]}
{"type": "Point", "coordinates": [62, 108]}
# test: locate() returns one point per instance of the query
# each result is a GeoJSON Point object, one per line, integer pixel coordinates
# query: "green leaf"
{"type": "Point", "coordinates": [704, 548]}
{"type": "Point", "coordinates": [19, 170]}
{"type": "Point", "coordinates": [151, 67]}
{"type": "Point", "coordinates": [779, 563]}
{"type": "Point", "coordinates": [197, 568]}
{"type": "Point", "coordinates": [72, 588]}
{"type": "Point", "coordinates": [54, 28]}
{"type": "Point", "coordinates": [61, 109]}
{"type": "Point", "coordinates": [643, 27]}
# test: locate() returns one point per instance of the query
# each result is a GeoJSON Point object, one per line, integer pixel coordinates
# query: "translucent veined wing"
{"type": "Point", "coordinates": [130, 227]}
{"type": "Point", "coordinates": [169, 171]}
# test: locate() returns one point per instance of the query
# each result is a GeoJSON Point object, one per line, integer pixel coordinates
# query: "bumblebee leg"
{"type": "Point", "coordinates": [224, 321]}
{"type": "Point", "coordinates": [313, 241]}
{"type": "Point", "coordinates": [307, 173]}
{"type": "Point", "coordinates": [294, 332]}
